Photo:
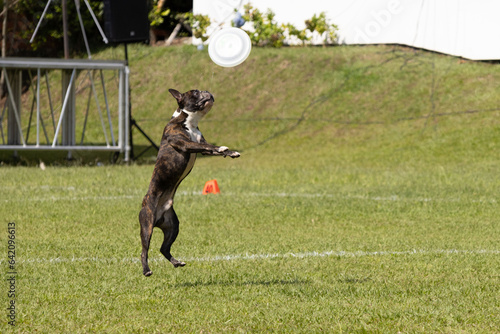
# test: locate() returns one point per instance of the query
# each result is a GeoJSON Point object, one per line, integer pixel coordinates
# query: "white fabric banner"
{"type": "Point", "coordinates": [464, 28]}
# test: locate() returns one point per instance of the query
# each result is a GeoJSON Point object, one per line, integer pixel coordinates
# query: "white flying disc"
{"type": "Point", "coordinates": [229, 47]}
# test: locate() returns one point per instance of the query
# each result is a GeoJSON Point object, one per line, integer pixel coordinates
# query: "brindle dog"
{"type": "Point", "coordinates": [180, 143]}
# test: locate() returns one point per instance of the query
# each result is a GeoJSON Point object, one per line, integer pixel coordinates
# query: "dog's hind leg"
{"type": "Point", "coordinates": [146, 219]}
{"type": "Point", "coordinates": [170, 228]}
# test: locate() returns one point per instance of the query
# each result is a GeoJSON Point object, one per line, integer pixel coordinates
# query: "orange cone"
{"type": "Point", "coordinates": [211, 187]}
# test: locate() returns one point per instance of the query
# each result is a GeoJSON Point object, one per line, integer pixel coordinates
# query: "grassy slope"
{"type": "Point", "coordinates": [355, 149]}
{"type": "Point", "coordinates": [393, 103]}
{"type": "Point", "coordinates": [337, 110]}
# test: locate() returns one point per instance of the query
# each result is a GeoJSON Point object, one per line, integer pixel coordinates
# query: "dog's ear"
{"type": "Point", "coordinates": [176, 95]}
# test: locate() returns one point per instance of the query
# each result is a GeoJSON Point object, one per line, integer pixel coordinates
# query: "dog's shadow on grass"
{"type": "Point", "coordinates": [241, 283]}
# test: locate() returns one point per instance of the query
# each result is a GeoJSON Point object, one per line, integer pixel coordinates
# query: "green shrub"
{"type": "Point", "coordinates": [199, 24]}
{"type": "Point", "coordinates": [267, 32]}
{"type": "Point", "coordinates": [322, 25]}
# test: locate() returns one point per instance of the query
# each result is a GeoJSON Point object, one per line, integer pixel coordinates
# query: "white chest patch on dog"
{"type": "Point", "coordinates": [191, 124]}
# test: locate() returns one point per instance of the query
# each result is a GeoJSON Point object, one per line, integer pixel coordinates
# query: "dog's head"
{"type": "Point", "coordinates": [193, 101]}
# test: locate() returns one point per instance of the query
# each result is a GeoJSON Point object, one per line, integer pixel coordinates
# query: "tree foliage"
{"type": "Point", "coordinates": [23, 17]}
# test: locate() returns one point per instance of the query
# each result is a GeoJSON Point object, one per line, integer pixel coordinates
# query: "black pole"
{"type": "Point", "coordinates": [133, 123]}
{"type": "Point", "coordinates": [65, 29]}
{"type": "Point", "coordinates": [131, 138]}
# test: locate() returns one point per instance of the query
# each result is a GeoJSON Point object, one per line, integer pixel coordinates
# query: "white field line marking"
{"type": "Point", "coordinates": [50, 198]}
{"type": "Point", "coordinates": [236, 257]}
{"type": "Point", "coordinates": [393, 198]}
{"type": "Point", "coordinates": [36, 187]}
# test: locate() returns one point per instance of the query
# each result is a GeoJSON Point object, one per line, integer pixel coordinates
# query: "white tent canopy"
{"type": "Point", "coordinates": [464, 28]}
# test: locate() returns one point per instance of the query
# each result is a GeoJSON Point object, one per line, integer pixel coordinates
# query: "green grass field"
{"type": "Point", "coordinates": [365, 200]}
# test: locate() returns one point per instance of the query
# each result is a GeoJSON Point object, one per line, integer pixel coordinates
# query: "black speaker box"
{"type": "Point", "coordinates": [126, 21]}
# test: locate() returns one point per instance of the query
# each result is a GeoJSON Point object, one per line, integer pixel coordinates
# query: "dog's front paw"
{"type": "Point", "coordinates": [232, 154]}
{"type": "Point", "coordinates": [235, 154]}
{"type": "Point", "coordinates": [222, 149]}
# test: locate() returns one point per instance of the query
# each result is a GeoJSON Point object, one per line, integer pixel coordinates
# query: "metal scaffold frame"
{"type": "Point", "coordinates": [63, 119]}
